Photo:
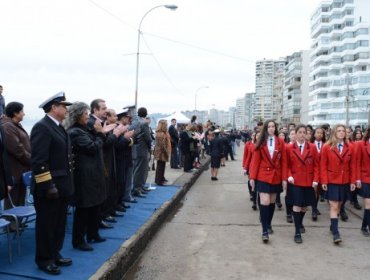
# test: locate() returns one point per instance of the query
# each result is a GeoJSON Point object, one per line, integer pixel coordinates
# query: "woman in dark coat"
{"type": "Point", "coordinates": [5, 181]}
{"type": "Point", "coordinates": [18, 147]}
{"type": "Point", "coordinates": [88, 176]}
{"type": "Point", "coordinates": [187, 148]}
{"type": "Point", "coordinates": [216, 150]}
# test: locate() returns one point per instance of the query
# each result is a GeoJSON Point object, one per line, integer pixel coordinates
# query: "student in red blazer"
{"type": "Point", "coordinates": [268, 172]}
{"type": "Point", "coordinates": [303, 175]}
{"type": "Point", "coordinates": [246, 156]}
{"type": "Point", "coordinates": [247, 167]}
{"type": "Point", "coordinates": [318, 139]}
{"type": "Point", "coordinates": [288, 205]}
{"type": "Point", "coordinates": [363, 177]}
{"type": "Point", "coordinates": [283, 136]}
{"type": "Point", "coordinates": [356, 137]}
{"type": "Point", "coordinates": [338, 174]}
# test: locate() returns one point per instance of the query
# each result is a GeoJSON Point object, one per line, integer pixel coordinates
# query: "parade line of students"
{"type": "Point", "coordinates": [302, 163]}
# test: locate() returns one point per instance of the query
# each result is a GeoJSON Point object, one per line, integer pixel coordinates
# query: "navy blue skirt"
{"type": "Point", "coordinates": [215, 162]}
{"type": "Point", "coordinates": [338, 192]}
{"type": "Point", "coordinates": [301, 196]}
{"type": "Point", "coordinates": [365, 190]}
{"type": "Point", "coordinates": [264, 187]}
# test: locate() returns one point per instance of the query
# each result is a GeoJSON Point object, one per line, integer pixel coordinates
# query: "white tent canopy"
{"type": "Point", "coordinates": [180, 117]}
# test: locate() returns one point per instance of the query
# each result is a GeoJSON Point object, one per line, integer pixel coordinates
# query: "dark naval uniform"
{"type": "Point", "coordinates": [52, 187]}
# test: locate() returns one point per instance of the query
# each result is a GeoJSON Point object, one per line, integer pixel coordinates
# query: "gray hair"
{"type": "Point", "coordinates": [75, 112]}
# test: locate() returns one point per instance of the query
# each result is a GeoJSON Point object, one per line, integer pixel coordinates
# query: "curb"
{"type": "Point", "coordinates": [120, 262]}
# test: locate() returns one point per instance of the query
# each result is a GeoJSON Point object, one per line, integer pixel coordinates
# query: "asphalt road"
{"type": "Point", "coordinates": [216, 235]}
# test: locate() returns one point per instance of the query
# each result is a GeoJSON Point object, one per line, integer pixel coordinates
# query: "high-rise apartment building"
{"type": "Point", "coordinates": [244, 111]}
{"type": "Point", "coordinates": [269, 77]}
{"type": "Point", "coordinates": [296, 88]}
{"type": "Point", "coordinates": [340, 62]}
{"type": "Point", "coordinates": [240, 113]}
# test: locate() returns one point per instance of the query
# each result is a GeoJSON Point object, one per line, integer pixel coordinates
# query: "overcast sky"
{"type": "Point", "coordinates": [87, 49]}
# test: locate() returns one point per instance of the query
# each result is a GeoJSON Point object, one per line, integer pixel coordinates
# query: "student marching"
{"type": "Point", "coordinates": [310, 165]}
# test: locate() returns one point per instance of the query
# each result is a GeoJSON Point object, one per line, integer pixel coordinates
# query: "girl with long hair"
{"type": "Point", "coordinates": [338, 174]}
{"type": "Point", "coordinates": [288, 206]}
{"type": "Point", "coordinates": [247, 166]}
{"type": "Point", "coordinates": [303, 175]}
{"type": "Point", "coordinates": [268, 173]}
{"type": "Point", "coordinates": [363, 178]}
{"type": "Point", "coordinates": [318, 139]}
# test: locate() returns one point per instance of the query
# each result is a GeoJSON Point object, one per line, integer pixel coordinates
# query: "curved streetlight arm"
{"type": "Point", "coordinates": [171, 7]}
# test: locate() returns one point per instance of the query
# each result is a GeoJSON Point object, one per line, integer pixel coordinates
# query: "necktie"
{"type": "Point", "coordinates": [318, 145]}
{"type": "Point", "coordinates": [300, 148]}
{"type": "Point", "coordinates": [340, 148]}
{"type": "Point", "coordinates": [270, 141]}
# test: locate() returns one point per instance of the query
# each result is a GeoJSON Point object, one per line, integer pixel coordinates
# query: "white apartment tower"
{"type": "Point", "coordinates": [295, 96]}
{"type": "Point", "coordinates": [340, 62]}
{"type": "Point", "coordinates": [240, 113]}
{"type": "Point", "coordinates": [269, 77]}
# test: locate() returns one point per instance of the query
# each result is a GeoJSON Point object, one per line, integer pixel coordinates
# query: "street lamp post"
{"type": "Point", "coordinates": [196, 95]}
{"type": "Point", "coordinates": [171, 7]}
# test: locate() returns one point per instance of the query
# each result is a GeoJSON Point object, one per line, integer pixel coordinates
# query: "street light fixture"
{"type": "Point", "coordinates": [196, 95]}
{"type": "Point", "coordinates": [171, 7]}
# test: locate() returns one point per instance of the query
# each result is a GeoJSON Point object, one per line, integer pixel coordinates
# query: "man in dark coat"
{"type": "Point", "coordinates": [141, 152]}
{"type": "Point", "coordinates": [111, 132]}
{"type": "Point", "coordinates": [124, 160]}
{"type": "Point", "coordinates": [172, 130]}
{"type": "Point", "coordinates": [18, 148]}
{"type": "Point", "coordinates": [51, 163]}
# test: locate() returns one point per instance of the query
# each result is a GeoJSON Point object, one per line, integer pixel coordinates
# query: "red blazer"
{"type": "Point", "coordinates": [266, 169]}
{"type": "Point", "coordinates": [246, 154]}
{"type": "Point", "coordinates": [363, 161]}
{"type": "Point", "coordinates": [304, 168]}
{"type": "Point", "coordinates": [338, 168]}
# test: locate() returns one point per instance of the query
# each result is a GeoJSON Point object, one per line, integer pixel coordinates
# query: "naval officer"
{"type": "Point", "coordinates": [52, 185]}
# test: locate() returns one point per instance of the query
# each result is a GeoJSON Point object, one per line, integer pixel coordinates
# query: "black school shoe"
{"type": "Point", "coordinates": [50, 269]}
{"type": "Point", "coordinates": [298, 239]}
{"type": "Point", "coordinates": [265, 237]}
{"type": "Point", "coordinates": [337, 239]}
{"type": "Point", "coordinates": [343, 216]}
{"type": "Point", "coordinates": [289, 219]}
{"type": "Point", "coordinates": [365, 231]}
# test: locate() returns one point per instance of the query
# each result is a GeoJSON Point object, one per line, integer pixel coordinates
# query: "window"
{"type": "Point", "coordinates": [363, 68]}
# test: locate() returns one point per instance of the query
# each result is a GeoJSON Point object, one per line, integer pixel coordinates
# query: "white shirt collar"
{"type": "Point", "coordinates": [54, 120]}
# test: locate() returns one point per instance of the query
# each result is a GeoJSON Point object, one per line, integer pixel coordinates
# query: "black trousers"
{"type": "Point", "coordinates": [174, 156]}
{"type": "Point", "coordinates": [159, 172]}
{"type": "Point", "coordinates": [51, 216]}
{"type": "Point", "coordinates": [85, 223]}
{"type": "Point", "coordinates": [108, 206]}
{"type": "Point", "coordinates": [188, 163]}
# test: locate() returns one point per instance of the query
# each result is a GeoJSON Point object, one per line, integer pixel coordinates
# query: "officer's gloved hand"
{"type": "Point", "coordinates": [52, 193]}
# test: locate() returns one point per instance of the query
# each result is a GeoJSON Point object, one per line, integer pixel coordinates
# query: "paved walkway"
{"type": "Point", "coordinates": [217, 235]}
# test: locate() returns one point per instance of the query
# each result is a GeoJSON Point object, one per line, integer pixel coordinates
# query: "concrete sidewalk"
{"type": "Point", "coordinates": [119, 263]}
